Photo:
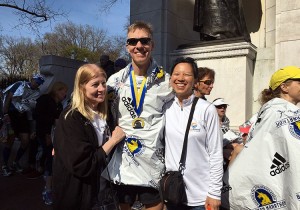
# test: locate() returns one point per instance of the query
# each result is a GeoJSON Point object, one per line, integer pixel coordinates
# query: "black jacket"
{"type": "Point", "coordinates": [77, 163]}
{"type": "Point", "coordinates": [45, 113]}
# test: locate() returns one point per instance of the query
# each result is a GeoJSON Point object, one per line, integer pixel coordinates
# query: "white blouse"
{"type": "Point", "coordinates": [100, 127]}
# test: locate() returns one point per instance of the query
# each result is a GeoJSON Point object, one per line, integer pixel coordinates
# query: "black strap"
{"type": "Point", "coordinates": [183, 153]}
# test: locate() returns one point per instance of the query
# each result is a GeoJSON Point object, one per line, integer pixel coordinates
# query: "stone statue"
{"type": "Point", "coordinates": [220, 19]}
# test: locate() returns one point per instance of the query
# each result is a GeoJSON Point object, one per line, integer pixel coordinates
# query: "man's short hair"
{"type": "Point", "coordinates": [204, 71]}
{"type": "Point", "coordinates": [141, 25]}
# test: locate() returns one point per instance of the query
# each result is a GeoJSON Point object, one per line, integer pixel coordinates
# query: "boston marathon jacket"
{"type": "Point", "coordinates": [265, 175]}
{"type": "Point", "coordinates": [139, 159]}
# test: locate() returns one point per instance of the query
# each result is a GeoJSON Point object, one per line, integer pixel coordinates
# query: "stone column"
{"type": "Point", "coordinates": [287, 33]}
{"type": "Point", "coordinates": [172, 21]}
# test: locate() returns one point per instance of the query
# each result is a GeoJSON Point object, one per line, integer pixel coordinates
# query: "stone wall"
{"type": "Point", "coordinates": [57, 68]}
{"type": "Point", "coordinates": [277, 40]}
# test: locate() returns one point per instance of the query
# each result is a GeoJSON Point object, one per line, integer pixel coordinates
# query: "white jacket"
{"type": "Point", "coordinates": [204, 159]}
{"type": "Point", "coordinates": [265, 175]}
{"type": "Point", "coordinates": [139, 160]}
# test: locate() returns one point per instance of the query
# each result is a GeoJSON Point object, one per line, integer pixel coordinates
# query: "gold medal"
{"type": "Point", "coordinates": [138, 123]}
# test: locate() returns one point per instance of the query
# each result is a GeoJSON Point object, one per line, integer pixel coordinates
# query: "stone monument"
{"type": "Point", "coordinates": [221, 19]}
{"type": "Point", "coordinates": [56, 68]}
{"type": "Point", "coordinates": [275, 42]}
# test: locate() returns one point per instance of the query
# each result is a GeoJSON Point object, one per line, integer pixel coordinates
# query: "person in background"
{"type": "Point", "coordinates": [82, 143]}
{"type": "Point", "coordinates": [19, 102]}
{"type": "Point", "coordinates": [230, 138]}
{"type": "Point", "coordinates": [221, 107]}
{"type": "Point", "coordinates": [47, 111]}
{"type": "Point", "coordinates": [246, 126]}
{"type": "Point", "coordinates": [205, 82]}
{"type": "Point", "coordinates": [120, 63]}
{"type": "Point", "coordinates": [204, 160]}
{"type": "Point", "coordinates": [271, 153]}
{"type": "Point", "coordinates": [107, 65]}
{"type": "Point", "coordinates": [244, 131]}
{"type": "Point", "coordinates": [140, 91]}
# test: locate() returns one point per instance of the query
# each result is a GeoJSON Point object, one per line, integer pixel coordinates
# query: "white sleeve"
{"type": "Point", "coordinates": [215, 152]}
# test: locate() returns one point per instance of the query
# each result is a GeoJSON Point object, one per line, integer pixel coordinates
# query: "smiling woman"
{"type": "Point", "coordinates": [183, 77]}
{"type": "Point", "coordinates": [205, 84]}
{"type": "Point", "coordinates": [204, 158]}
{"type": "Point", "coordinates": [95, 90]}
{"type": "Point", "coordinates": [82, 143]}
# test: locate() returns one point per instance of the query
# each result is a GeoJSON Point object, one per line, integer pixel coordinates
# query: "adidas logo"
{"type": "Point", "coordinates": [279, 165]}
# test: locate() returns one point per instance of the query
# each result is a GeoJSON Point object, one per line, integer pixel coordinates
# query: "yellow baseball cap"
{"type": "Point", "coordinates": [283, 74]}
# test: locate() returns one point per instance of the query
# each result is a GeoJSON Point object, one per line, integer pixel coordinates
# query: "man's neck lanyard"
{"type": "Point", "coordinates": [138, 96]}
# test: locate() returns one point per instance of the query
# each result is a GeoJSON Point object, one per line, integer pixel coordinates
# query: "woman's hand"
{"type": "Point", "coordinates": [117, 135]}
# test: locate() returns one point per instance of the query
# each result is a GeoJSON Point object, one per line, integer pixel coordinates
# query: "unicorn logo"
{"type": "Point", "coordinates": [298, 124]}
{"type": "Point", "coordinates": [134, 145]}
{"type": "Point", "coordinates": [264, 197]}
{"type": "Point", "coordinates": [265, 200]}
{"type": "Point", "coordinates": [295, 129]}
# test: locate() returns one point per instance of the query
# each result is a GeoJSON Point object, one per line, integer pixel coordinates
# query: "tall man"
{"type": "Point", "coordinates": [139, 92]}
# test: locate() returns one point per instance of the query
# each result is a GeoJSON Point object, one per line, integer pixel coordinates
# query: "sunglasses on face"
{"type": "Point", "coordinates": [134, 41]}
{"type": "Point", "coordinates": [223, 106]}
{"type": "Point", "coordinates": [207, 82]}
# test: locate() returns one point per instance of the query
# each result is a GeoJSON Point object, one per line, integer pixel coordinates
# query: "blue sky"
{"type": "Point", "coordinates": [79, 12]}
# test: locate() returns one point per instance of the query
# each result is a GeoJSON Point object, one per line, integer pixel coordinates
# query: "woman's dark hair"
{"type": "Point", "coordinates": [186, 60]}
{"type": "Point", "coordinates": [203, 71]}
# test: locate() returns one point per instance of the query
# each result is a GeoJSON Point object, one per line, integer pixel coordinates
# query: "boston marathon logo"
{"type": "Point", "coordinates": [298, 196]}
{"type": "Point", "coordinates": [279, 165]}
{"type": "Point", "coordinates": [293, 124]}
{"type": "Point", "coordinates": [265, 199]}
{"type": "Point", "coordinates": [134, 146]}
{"type": "Point", "coordinates": [295, 129]}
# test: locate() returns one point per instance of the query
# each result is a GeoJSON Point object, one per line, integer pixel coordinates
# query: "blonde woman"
{"type": "Point", "coordinates": [81, 142]}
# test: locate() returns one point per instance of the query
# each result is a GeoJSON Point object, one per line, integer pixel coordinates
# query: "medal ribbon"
{"type": "Point", "coordinates": [138, 96]}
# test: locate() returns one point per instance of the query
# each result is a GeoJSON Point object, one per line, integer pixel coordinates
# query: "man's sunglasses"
{"type": "Point", "coordinates": [223, 106]}
{"type": "Point", "coordinates": [207, 82]}
{"type": "Point", "coordinates": [134, 41]}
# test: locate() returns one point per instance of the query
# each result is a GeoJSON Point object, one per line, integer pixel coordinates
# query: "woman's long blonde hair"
{"type": "Point", "coordinates": [84, 74]}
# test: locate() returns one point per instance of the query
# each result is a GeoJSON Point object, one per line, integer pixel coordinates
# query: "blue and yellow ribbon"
{"type": "Point", "coordinates": [138, 96]}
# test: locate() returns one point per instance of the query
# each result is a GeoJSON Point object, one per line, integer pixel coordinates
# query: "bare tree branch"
{"type": "Point", "coordinates": [106, 5]}
{"type": "Point", "coordinates": [43, 16]}
{"type": "Point", "coordinates": [32, 13]}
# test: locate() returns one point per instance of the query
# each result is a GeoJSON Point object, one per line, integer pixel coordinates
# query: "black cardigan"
{"type": "Point", "coordinates": [77, 163]}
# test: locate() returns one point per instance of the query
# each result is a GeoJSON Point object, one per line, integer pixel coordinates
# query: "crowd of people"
{"type": "Point", "coordinates": [111, 67]}
{"type": "Point", "coordinates": [124, 129]}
